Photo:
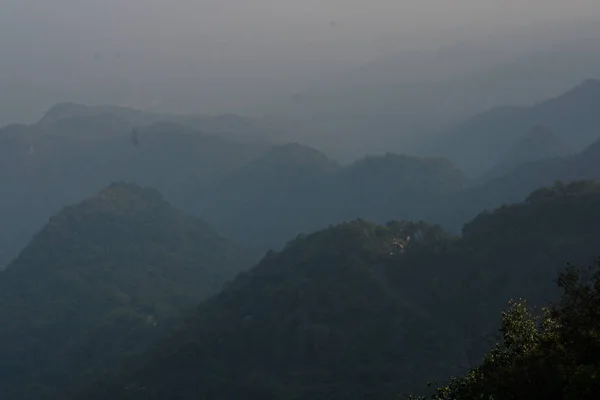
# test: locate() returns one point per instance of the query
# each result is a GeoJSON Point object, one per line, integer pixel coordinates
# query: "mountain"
{"type": "Point", "coordinates": [293, 189]}
{"type": "Point", "coordinates": [98, 282]}
{"type": "Point", "coordinates": [71, 155]}
{"type": "Point", "coordinates": [540, 143]}
{"type": "Point", "coordinates": [314, 321]}
{"type": "Point", "coordinates": [395, 186]}
{"type": "Point", "coordinates": [404, 97]}
{"type": "Point", "coordinates": [366, 311]}
{"type": "Point", "coordinates": [552, 354]}
{"type": "Point", "coordinates": [272, 197]}
{"type": "Point", "coordinates": [475, 144]}
{"type": "Point", "coordinates": [229, 126]}
{"type": "Point", "coordinates": [517, 184]}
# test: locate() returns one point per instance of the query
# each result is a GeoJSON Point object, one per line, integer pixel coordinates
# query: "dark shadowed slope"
{"type": "Point", "coordinates": [314, 321]}
{"type": "Point", "coordinates": [98, 282]}
{"type": "Point", "coordinates": [364, 311]}
{"type": "Point", "coordinates": [478, 144]}
{"type": "Point", "coordinates": [552, 354]}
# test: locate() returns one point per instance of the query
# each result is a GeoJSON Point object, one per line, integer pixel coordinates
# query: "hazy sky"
{"type": "Point", "coordinates": [149, 52]}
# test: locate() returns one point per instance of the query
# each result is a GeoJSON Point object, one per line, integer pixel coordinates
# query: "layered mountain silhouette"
{"type": "Point", "coordinates": [75, 151]}
{"type": "Point", "coordinates": [294, 188]}
{"type": "Point", "coordinates": [101, 281]}
{"type": "Point", "coordinates": [228, 125]}
{"type": "Point", "coordinates": [262, 193]}
{"type": "Point", "coordinates": [360, 310]}
{"type": "Point", "coordinates": [540, 143]}
{"type": "Point", "coordinates": [518, 183]}
{"type": "Point", "coordinates": [477, 144]}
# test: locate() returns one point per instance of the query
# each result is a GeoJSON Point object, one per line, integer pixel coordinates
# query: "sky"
{"type": "Point", "coordinates": [224, 55]}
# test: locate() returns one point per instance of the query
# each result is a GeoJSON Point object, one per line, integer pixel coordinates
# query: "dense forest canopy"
{"type": "Point", "coordinates": [361, 310]}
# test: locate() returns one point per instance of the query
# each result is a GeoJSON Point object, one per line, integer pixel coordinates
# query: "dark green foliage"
{"type": "Point", "coordinates": [314, 321]}
{"type": "Point", "coordinates": [364, 311]}
{"type": "Point", "coordinates": [100, 282]}
{"type": "Point", "coordinates": [550, 355]}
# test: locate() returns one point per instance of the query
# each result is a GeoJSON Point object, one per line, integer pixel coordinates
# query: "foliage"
{"type": "Point", "coordinates": [555, 355]}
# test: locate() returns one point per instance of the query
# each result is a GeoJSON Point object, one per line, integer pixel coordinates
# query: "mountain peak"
{"type": "Point", "coordinates": [298, 154]}
{"type": "Point", "coordinates": [99, 282]}
{"type": "Point", "coordinates": [64, 110]}
{"type": "Point", "coordinates": [128, 196]}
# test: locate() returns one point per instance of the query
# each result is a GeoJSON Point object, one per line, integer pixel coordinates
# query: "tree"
{"type": "Point", "coordinates": [553, 355]}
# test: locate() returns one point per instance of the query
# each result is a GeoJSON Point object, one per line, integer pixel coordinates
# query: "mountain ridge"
{"type": "Point", "coordinates": [123, 262]}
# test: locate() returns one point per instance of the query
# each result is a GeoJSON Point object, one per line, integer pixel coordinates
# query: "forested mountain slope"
{"type": "Point", "coordinates": [366, 311]}
{"type": "Point", "coordinates": [98, 282]}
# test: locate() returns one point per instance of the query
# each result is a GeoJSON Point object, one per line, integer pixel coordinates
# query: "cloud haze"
{"type": "Point", "coordinates": [220, 55]}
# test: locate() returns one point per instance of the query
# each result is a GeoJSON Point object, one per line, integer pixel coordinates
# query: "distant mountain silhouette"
{"type": "Point", "coordinates": [98, 282]}
{"type": "Point", "coordinates": [479, 143]}
{"type": "Point", "coordinates": [518, 183]}
{"type": "Point", "coordinates": [45, 166]}
{"type": "Point", "coordinates": [293, 189]}
{"type": "Point", "coordinates": [227, 125]}
{"type": "Point", "coordinates": [272, 197]}
{"type": "Point", "coordinates": [538, 144]}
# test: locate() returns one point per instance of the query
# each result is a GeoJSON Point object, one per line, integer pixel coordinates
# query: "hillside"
{"type": "Point", "coordinates": [540, 143]}
{"type": "Point", "coordinates": [301, 324]}
{"type": "Point", "coordinates": [517, 184]}
{"type": "Point", "coordinates": [477, 144]}
{"type": "Point", "coordinates": [45, 167]}
{"type": "Point", "coordinates": [98, 282]}
{"type": "Point", "coordinates": [348, 312]}
{"type": "Point", "coordinates": [394, 186]}
{"type": "Point", "coordinates": [294, 189]}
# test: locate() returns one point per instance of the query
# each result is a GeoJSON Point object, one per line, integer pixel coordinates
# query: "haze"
{"type": "Point", "coordinates": [215, 56]}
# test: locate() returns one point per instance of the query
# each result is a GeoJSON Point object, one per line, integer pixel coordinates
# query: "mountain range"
{"type": "Point", "coordinates": [294, 188]}
{"type": "Point", "coordinates": [402, 100]}
{"type": "Point", "coordinates": [264, 193]}
{"type": "Point", "coordinates": [75, 151]}
{"type": "Point", "coordinates": [477, 144]}
{"type": "Point", "coordinates": [539, 144]}
{"type": "Point", "coordinates": [360, 310]}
